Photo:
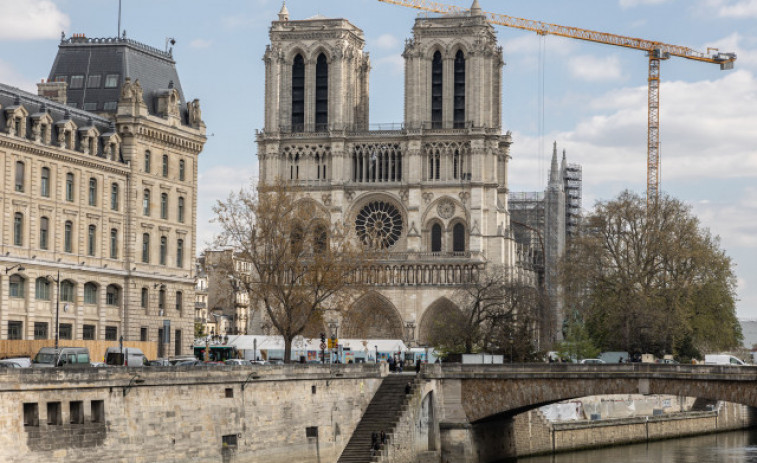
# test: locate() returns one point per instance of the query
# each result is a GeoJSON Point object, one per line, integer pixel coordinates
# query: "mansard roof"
{"type": "Point", "coordinates": [120, 57]}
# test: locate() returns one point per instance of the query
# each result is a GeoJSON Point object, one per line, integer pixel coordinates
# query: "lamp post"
{"type": "Point", "coordinates": [376, 346]}
{"type": "Point", "coordinates": [57, 306]}
{"type": "Point", "coordinates": [19, 268]}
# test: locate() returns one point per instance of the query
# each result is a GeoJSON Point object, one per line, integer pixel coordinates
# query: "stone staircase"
{"type": "Point", "coordinates": [382, 413]}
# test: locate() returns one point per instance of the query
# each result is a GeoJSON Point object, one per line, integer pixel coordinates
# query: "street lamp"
{"type": "Point", "coordinates": [19, 268]}
{"type": "Point", "coordinates": [57, 307]}
{"type": "Point", "coordinates": [376, 346]}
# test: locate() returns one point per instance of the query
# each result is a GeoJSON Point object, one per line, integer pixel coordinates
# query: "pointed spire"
{"type": "Point", "coordinates": [564, 165]}
{"type": "Point", "coordinates": [554, 175]}
{"type": "Point", "coordinates": [475, 9]}
{"type": "Point", "coordinates": [284, 13]}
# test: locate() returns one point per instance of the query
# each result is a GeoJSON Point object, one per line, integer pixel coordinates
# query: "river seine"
{"type": "Point", "coordinates": [730, 447]}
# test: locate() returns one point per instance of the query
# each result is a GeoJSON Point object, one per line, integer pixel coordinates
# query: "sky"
{"type": "Point", "coordinates": [589, 98]}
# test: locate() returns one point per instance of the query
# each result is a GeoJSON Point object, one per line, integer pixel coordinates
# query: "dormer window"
{"type": "Point", "coordinates": [111, 81]}
{"type": "Point", "coordinates": [94, 81]}
{"type": "Point", "coordinates": [77, 82]}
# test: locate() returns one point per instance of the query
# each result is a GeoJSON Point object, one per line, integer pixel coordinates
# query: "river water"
{"type": "Point", "coordinates": [730, 447]}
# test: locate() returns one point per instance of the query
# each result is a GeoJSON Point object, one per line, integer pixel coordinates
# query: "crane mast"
{"type": "Point", "coordinates": [656, 51]}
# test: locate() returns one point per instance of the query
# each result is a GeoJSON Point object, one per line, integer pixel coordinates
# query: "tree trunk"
{"type": "Point", "coordinates": [288, 348]}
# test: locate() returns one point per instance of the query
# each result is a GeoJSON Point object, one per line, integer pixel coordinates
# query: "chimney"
{"type": "Point", "coordinates": [55, 91]}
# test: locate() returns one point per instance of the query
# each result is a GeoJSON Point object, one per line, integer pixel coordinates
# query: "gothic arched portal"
{"type": "Point", "coordinates": [372, 317]}
{"type": "Point", "coordinates": [436, 320]}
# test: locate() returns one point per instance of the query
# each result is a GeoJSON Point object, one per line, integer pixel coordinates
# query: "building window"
{"type": "Point", "coordinates": [42, 289]}
{"type": "Point", "coordinates": [69, 187]}
{"type": "Point", "coordinates": [20, 176]}
{"type": "Point", "coordinates": [145, 297]}
{"type": "Point", "coordinates": [180, 253]}
{"type": "Point", "coordinates": [93, 192]}
{"type": "Point", "coordinates": [65, 331]}
{"type": "Point", "coordinates": [113, 243]}
{"type": "Point", "coordinates": [44, 227]}
{"type": "Point", "coordinates": [181, 170]}
{"type": "Point", "coordinates": [88, 332]}
{"type": "Point", "coordinates": [76, 412]}
{"type": "Point", "coordinates": [458, 238]}
{"type": "Point", "coordinates": [91, 237]}
{"type": "Point", "coordinates": [112, 295]}
{"type": "Point", "coordinates": [18, 229]}
{"type": "Point", "coordinates": [436, 90]}
{"type": "Point", "coordinates": [164, 205]}
{"type": "Point", "coordinates": [15, 330]}
{"type": "Point", "coordinates": [321, 93]}
{"type": "Point", "coordinates": [165, 165]}
{"type": "Point", "coordinates": [40, 330]}
{"type": "Point", "coordinates": [114, 197]}
{"type": "Point", "coordinates": [143, 334]}
{"type": "Point", "coordinates": [98, 411]}
{"type": "Point", "coordinates": [16, 286]}
{"type": "Point", "coordinates": [459, 96]}
{"type": "Point", "coordinates": [90, 293]}
{"type": "Point", "coordinates": [177, 343]}
{"type": "Point", "coordinates": [436, 238]}
{"type": "Point", "coordinates": [180, 210]}
{"type": "Point", "coordinates": [229, 441]}
{"type": "Point", "coordinates": [31, 414]}
{"type": "Point", "coordinates": [147, 162]}
{"type": "Point", "coordinates": [54, 417]}
{"type": "Point", "coordinates": [179, 300]}
{"type": "Point", "coordinates": [146, 203]}
{"type": "Point", "coordinates": [298, 94]}
{"type": "Point", "coordinates": [67, 237]}
{"type": "Point", "coordinates": [67, 291]}
{"type": "Point", "coordinates": [94, 81]}
{"type": "Point", "coordinates": [44, 187]}
{"type": "Point", "coordinates": [111, 333]}
{"type": "Point", "coordinates": [146, 248]}
{"type": "Point", "coordinates": [163, 249]}
{"type": "Point", "coordinates": [76, 82]}
{"type": "Point", "coordinates": [92, 106]}
{"type": "Point", "coordinates": [110, 106]}
{"type": "Point", "coordinates": [111, 81]}
{"type": "Point", "coordinates": [161, 300]}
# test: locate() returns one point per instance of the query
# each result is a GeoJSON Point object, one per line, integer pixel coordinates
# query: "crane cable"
{"type": "Point", "coordinates": [541, 105]}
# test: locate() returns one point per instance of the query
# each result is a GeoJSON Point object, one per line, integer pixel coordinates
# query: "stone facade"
{"type": "Point", "coordinates": [434, 189]}
{"type": "Point", "coordinates": [101, 203]}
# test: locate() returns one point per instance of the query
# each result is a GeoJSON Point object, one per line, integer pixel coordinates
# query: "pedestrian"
{"type": "Point", "coordinates": [408, 388]}
{"type": "Point", "coordinates": [374, 438]}
{"type": "Point", "coordinates": [401, 364]}
{"type": "Point", "coordinates": [417, 366]}
{"type": "Point", "coordinates": [376, 449]}
{"type": "Point", "coordinates": [382, 436]}
{"type": "Point", "coordinates": [391, 363]}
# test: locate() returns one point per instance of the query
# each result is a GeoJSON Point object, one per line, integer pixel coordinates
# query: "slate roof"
{"type": "Point", "coordinates": [120, 57]}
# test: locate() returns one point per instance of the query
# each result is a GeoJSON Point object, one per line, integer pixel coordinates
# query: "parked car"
{"type": "Point", "coordinates": [189, 363]}
{"type": "Point", "coordinates": [49, 357]}
{"type": "Point", "coordinates": [592, 361]}
{"type": "Point", "coordinates": [237, 362]}
{"type": "Point", "coordinates": [18, 362]}
{"type": "Point", "coordinates": [125, 357]}
{"type": "Point", "coordinates": [159, 363]}
{"type": "Point", "coordinates": [722, 359]}
{"type": "Point", "coordinates": [185, 358]}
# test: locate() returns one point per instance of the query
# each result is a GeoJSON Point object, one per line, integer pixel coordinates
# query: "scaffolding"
{"type": "Point", "coordinates": [573, 179]}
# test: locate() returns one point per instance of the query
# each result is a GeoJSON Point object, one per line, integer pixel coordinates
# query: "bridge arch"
{"type": "Point", "coordinates": [372, 316]}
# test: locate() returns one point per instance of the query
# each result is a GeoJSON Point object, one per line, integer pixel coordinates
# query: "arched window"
{"type": "Point", "coordinates": [459, 104]}
{"type": "Point", "coordinates": [18, 229]}
{"type": "Point", "coordinates": [320, 238]}
{"type": "Point", "coordinates": [180, 253]}
{"type": "Point", "coordinates": [146, 248]}
{"type": "Point", "coordinates": [42, 289]}
{"type": "Point", "coordinates": [162, 299]}
{"type": "Point", "coordinates": [44, 227]}
{"type": "Point", "coordinates": [16, 285]}
{"type": "Point", "coordinates": [145, 299]}
{"type": "Point", "coordinates": [20, 176]}
{"type": "Point", "coordinates": [458, 238]}
{"type": "Point", "coordinates": [147, 162]}
{"type": "Point", "coordinates": [114, 197]}
{"type": "Point", "coordinates": [67, 291]}
{"type": "Point", "coordinates": [180, 210]}
{"type": "Point", "coordinates": [436, 238]}
{"type": "Point", "coordinates": [163, 249]}
{"type": "Point", "coordinates": [298, 94]}
{"type": "Point", "coordinates": [90, 293]}
{"type": "Point", "coordinates": [69, 187]}
{"type": "Point", "coordinates": [93, 192]}
{"type": "Point", "coordinates": [44, 187]}
{"type": "Point", "coordinates": [436, 90]}
{"type": "Point", "coordinates": [165, 165]}
{"type": "Point", "coordinates": [91, 240]}
{"type": "Point", "coordinates": [321, 93]}
{"type": "Point", "coordinates": [179, 300]}
{"type": "Point", "coordinates": [146, 202]}
{"type": "Point", "coordinates": [164, 205]}
{"type": "Point", "coordinates": [113, 243]}
{"type": "Point", "coordinates": [182, 168]}
{"type": "Point", "coordinates": [113, 295]}
{"type": "Point", "coordinates": [68, 230]}
{"type": "Point", "coordinates": [295, 239]}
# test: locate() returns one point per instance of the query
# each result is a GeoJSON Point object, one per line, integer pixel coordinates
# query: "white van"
{"type": "Point", "coordinates": [126, 357]}
{"type": "Point", "coordinates": [722, 359]}
{"type": "Point", "coordinates": [49, 357]}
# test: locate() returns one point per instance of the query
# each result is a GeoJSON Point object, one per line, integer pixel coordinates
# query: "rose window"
{"type": "Point", "coordinates": [379, 224]}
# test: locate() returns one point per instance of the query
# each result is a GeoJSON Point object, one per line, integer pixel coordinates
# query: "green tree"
{"type": "Point", "coordinates": [649, 278]}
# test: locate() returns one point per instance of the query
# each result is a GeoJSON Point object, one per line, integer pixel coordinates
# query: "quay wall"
{"type": "Point", "coordinates": [272, 414]}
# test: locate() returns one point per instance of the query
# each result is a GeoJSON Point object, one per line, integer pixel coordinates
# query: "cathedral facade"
{"type": "Point", "coordinates": [433, 192]}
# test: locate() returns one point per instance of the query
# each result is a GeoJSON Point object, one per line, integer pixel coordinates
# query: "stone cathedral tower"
{"type": "Point", "coordinates": [436, 188]}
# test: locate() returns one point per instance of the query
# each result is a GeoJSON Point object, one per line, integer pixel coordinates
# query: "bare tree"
{"type": "Point", "coordinates": [289, 258]}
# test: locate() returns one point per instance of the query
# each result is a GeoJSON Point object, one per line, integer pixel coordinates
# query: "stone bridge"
{"type": "Point", "coordinates": [476, 403]}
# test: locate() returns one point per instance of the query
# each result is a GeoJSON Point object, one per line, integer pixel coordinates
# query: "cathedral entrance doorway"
{"type": "Point", "coordinates": [372, 317]}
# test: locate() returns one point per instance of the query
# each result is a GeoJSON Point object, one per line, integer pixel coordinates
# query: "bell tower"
{"type": "Point", "coordinates": [316, 75]}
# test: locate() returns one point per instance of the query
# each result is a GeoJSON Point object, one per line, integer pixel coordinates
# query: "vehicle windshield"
{"type": "Point", "coordinates": [44, 357]}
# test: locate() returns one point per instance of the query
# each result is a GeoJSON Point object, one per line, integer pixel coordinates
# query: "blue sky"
{"type": "Point", "coordinates": [594, 98]}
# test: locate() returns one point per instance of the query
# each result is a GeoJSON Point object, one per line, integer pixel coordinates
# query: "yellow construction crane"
{"type": "Point", "coordinates": [656, 51]}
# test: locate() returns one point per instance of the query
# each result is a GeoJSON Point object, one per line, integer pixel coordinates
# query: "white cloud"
{"type": "Point", "coordinates": [394, 64]}
{"type": "Point", "coordinates": [736, 220]}
{"type": "Point", "coordinates": [593, 69]}
{"type": "Point", "coordinates": [745, 48]}
{"type": "Point", "coordinates": [200, 43]}
{"type": "Point", "coordinates": [31, 19]}
{"type": "Point", "coordinates": [386, 42]}
{"type": "Point", "coordinates": [9, 76]}
{"type": "Point", "coordinates": [215, 184]}
{"type": "Point", "coordinates": [732, 8]}
{"type": "Point", "coordinates": [634, 3]}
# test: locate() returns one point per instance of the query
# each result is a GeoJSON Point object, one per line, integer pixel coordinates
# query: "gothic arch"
{"type": "Point", "coordinates": [316, 51]}
{"type": "Point", "coordinates": [439, 312]}
{"type": "Point", "coordinates": [293, 52]}
{"type": "Point", "coordinates": [372, 316]}
{"type": "Point", "coordinates": [458, 46]}
{"type": "Point", "coordinates": [461, 212]}
{"type": "Point", "coordinates": [433, 47]}
{"type": "Point", "coordinates": [317, 211]}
